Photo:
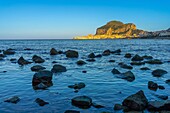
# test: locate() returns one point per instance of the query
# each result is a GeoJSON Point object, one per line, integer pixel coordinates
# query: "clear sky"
{"type": "Point", "coordinates": [68, 18]}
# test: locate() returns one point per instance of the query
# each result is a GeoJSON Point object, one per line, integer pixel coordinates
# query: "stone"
{"type": "Point", "coordinates": [54, 62]}
{"type": "Point", "coordinates": [106, 52]}
{"type": "Point", "coordinates": [37, 68]}
{"type": "Point", "coordinates": [159, 105]}
{"type": "Point", "coordinates": [161, 87]}
{"type": "Point", "coordinates": [91, 60]}
{"type": "Point", "coordinates": [81, 62]}
{"type": "Point", "coordinates": [91, 55]}
{"type": "Point", "coordinates": [98, 56]}
{"type": "Point", "coordinates": [115, 71]}
{"type": "Point", "coordinates": [82, 102]}
{"type": "Point", "coordinates": [58, 68]}
{"type": "Point", "coordinates": [138, 63]}
{"type": "Point", "coordinates": [152, 85]}
{"type": "Point", "coordinates": [42, 79]}
{"type": "Point", "coordinates": [128, 55]}
{"type": "Point", "coordinates": [28, 49]}
{"type": "Point", "coordinates": [159, 72]}
{"type": "Point", "coordinates": [137, 58]}
{"type": "Point", "coordinates": [111, 60]}
{"type": "Point", "coordinates": [97, 105]}
{"type": "Point", "coordinates": [53, 51]}
{"type": "Point", "coordinates": [118, 107]}
{"type": "Point", "coordinates": [14, 99]}
{"type": "Point", "coordinates": [84, 71]}
{"type": "Point", "coordinates": [72, 54]}
{"type": "Point", "coordinates": [77, 85]}
{"type": "Point", "coordinates": [22, 61]}
{"type": "Point", "coordinates": [9, 52]}
{"type": "Point", "coordinates": [41, 102]}
{"type": "Point", "coordinates": [118, 51]}
{"type": "Point", "coordinates": [2, 55]}
{"type": "Point", "coordinates": [129, 76]}
{"type": "Point", "coordinates": [167, 81]}
{"type": "Point", "coordinates": [13, 59]}
{"type": "Point", "coordinates": [147, 57]}
{"type": "Point", "coordinates": [125, 66]}
{"type": "Point", "coordinates": [163, 97]}
{"type": "Point", "coordinates": [71, 111]}
{"type": "Point", "coordinates": [136, 102]}
{"type": "Point", "coordinates": [37, 59]}
{"type": "Point", "coordinates": [155, 61]}
{"type": "Point", "coordinates": [144, 68]}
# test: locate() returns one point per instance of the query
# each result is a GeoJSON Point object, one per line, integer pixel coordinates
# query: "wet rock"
{"type": "Point", "coordinates": [41, 102]}
{"type": "Point", "coordinates": [37, 68]}
{"type": "Point", "coordinates": [77, 85]}
{"type": "Point", "coordinates": [82, 102]}
{"type": "Point", "coordinates": [58, 68]}
{"type": "Point", "coordinates": [118, 51]}
{"type": "Point", "coordinates": [167, 81]}
{"type": "Point", "coordinates": [125, 66]}
{"type": "Point", "coordinates": [144, 68]}
{"type": "Point", "coordinates": [159, 105]}
{"type": "Point", "coordinates": [115, 71]}
{"type": "Point", "coordinates": [128, 55]}
{"type": "Point", "coordinates": [106, 52]}
{"type": "Point", "coordinates": [71, 111]}
{"type": "Point", "coordinates": [81, 62]}
{"type": "Point", "coordinates": [42, 79]}
{"type": "Point", "coordinates": [98, 56]}
{"type": "Point", "coordinates": [111, 60]}
{"type": "Point", "coordinates": [37, 59]}
{"type": "Point", "coordinates": [97, 105]}
{"type": "Point", "coordinates": [91, 60]}
{"type": "Point", "coordinates": [28, 49]}
{"type": "Point", "coordinates": [155, 61]}
{"type": "Point", "coordinates": [137, 102]}
{"type": "Point", "coordinates": [91, 55]}
{"type": "Point", "coordinates": [54, 62]}
{"type": "Point", "coordinates": [152, 85]}
{"type": "Point", "coordinates": [13, 99]}
{"type": "Point", "coordinates": [72, 54]}
{"type": "Point", "coordinates": [9, 52]}
{"type": "Point", "coordinates": [137, 63]}
{"type": "Point", "coordinates": [163, 97]}
{"type": "Point", "coordinates": [84, 71]}
{"type": "Point", "coordinates": [137, 58]}
{"type": "Point", "coordinates": [4, 71]}
{"type": "Point", "coordinates": [118, 107]}
{"type": "Point", "coordinates": [129, 76]}
{"type": "Point", "coordinates": [13, 59]}
{"type": "Point", "coordinates": [161, 87]}
{"type": "Point", "coordinates": [22, 61]}
{"type": "Point", "coordinates": [53, 51]}
{"type": "Point", "coordinates": [2, 55]}
{"type": "Point", "coordinates": [159, 72]}
{"type": "Point", "coordinates": [147, 57]}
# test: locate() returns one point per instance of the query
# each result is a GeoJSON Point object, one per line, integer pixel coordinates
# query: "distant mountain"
{"type": "Point", "coordinates": [117, 29]}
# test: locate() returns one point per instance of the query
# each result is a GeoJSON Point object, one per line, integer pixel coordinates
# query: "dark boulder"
{"type": "Point", "coordinates": [71, 111]}
{"type": "Point", "coordinates": [42, 79]}
{"type": "Point", "coordinates": [167, 81]}
{"type": "Point", "coordinates": [13, 99]}
{"type": "Point", "coordinates": [147, 57]}
{"type": "Point", "coordinates": [91, 55]}
{"type": "Point", "coordinates": [125, 66]}
{"type": "Point", "coordinates": [82, 102]}
{"type": "Point", "coordinates": [84, 71]}
{"type": "Point", "coordinates": [159, 105]}
{"type": "Point", "coordinates": [138, 63]}
{"type": "Point", "coordinates": [98, 56]}
{"type": "Point", "coordinates": [22, 61]}
{"type": "Point", "coordinates": [37, 68]}
{"type": "Point", "coordinates": [91, 60]}
{"type": "Point", "coordinates": [163, 97]}
{"type": "Point", "coordinates": [106, 52]}
{"type": "Point", "coordinates": [118, 107]}
{"type": "Point", "coordinates": [111, 60]}
{"type": "Point", "coordinates": [53, 51]}
{"type": "Point", "coordinates": [58, 68]}
{"type": "Point", "coordinates": [37, 59]}
{"type": "Point", "coordinates": [144, 68]}
{"type": "Point", "coordinates": [152, 85]}
{"type": "Point", "coordinates": [159, 72]}
{"type": "Point", "coordinates": [2, 55]}
{"type": "Point", "coordinates": [81, 62]}
{"type": "Point", "coordinates": [161, 87]}
{"type": "Point", "coordinates": [72, 54]}
{"type": "Point", "coordinates": [41, 102]}
{"type": "Point", "coordinates": [155, 61]}
{"type": "Point", "coordinates": [129, 76]}
{"type": "Point", "coordinates": [137, 102]}
{"type": "Point", "coordinates": [118, 51]}
{"type": "Point", "coordinates": [137, 58]}
{"type": "Point", "coordinates": [128, 55]}
{"type": "Point", "coordinates": [77, 85]}
{"type": "Point", "coordinates": [9, 52]}
{"type": "Point", "coordinates": [115, 71]}
{"type": "Point", "coordinates": [97, 105]}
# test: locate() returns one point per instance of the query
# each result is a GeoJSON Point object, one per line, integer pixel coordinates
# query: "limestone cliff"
{"type": "Point", "coordinates": [115, 29]}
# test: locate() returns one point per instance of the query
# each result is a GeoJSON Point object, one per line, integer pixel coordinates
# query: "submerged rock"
{"type": "Point", "coordinates": [106, 52]}
{"type": "Point", "coordinates": [77, 85]}
{"type": "Point", "coordinates": [9, 52]}
{"type": "Point", "coordinates": [163, 97]}
{"type": "Point", "coordinates": [98, 56]}
{"type": "Point", "coordinates": [111, 60]}
{"type": "Point", "coordinates": [125, 66]}
{"type": "Point", "coordinates": [115, 71]}
{"type": "Point", "coordinates": [84, 71]}
{"type": "Point", "coordinates": [152, 85]}
{"type": "Point", "coordinates": [118, 51]}
{"type": "Point", "coordinates": [37, 59]}
{"type": "Point", "coordinates": [13, 99]}
{"type": "Point", "coordinates": [41, 102]}
{"type": "Point", "coordinates": [53, 51]}
{"type": "Point", "coordinates": [37, 68]}
{"type": "Point", "coordinates": [144, 68]}
{"type": "Point", "coordinates": [129, 76]}
{"type": "Point", "coordinates": [81, 62]}
{"type": "Point", "coordinates": [71, 111]}
{"type": "Point", "coordinates": [137, 58]}
{"type": "Point", "coordinates": [137, 63]}
{"type": "Point", "coordinates": [118, 107]}
{"type": "Point", "coordinates": [155, 61]}
{"type": "Point", "coordinates": [137, 102]}
{"type": "Point", "coordinates": [42, 79]}
{"type": "Point", "coordinates": [22, 61]}
{"type": "Point", "coordinates": [159, 105]}
{"type": "Point", "coordinates": [128, 55]}
{"type": "Point", "coordinates": [72, 54]}
{"type": "Point", "coordinates": [91, 60]}
{"type": "Point", "coordinates": [159, 72]}
{"type": "Point", "coordinates": [147, 57]}
{"type": "Point", "coordinates": [161, 87]}
{"type": "Point", "coordinates": [58, 68]}
{"type": "Point", "coordinates": [167, 81]}
{"type": "Point", "coordinates": [97, 105]}
{"type": "Point", "coordinates": [82, 102]}
{"type": "Point", "coordinates": [91, 55]}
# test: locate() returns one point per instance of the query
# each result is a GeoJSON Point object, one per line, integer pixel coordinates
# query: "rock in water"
{"type": "Point", "coordinates": [115, 71]}
{"type": "Point", "coordinates": [159, 72]}
{"type": "Point", "coordinates": [58, 68]}
{"type": "Point", "coordinates": [128, 55]}
{"type": "Point", "coordinates": [53, 51]}
{"type": "Point", "coordinates": [125, 66]}
{"type": "Point", "coordinates": [71, 111]}
{"type": "Point", "coordinates": [152, 85]}
{"type": "Point", "coordinates": [137, 102]}
{"type": "Point", "coordinates": [81, 62]}
{"type": "Point", "coordinates": [144, 68]}
{"type": "Point", "coordinates": [137, 58]}
{"type": "Point", "coordinates": [42, 79]}
{"type": "Point", "coordinates": [118, 107]}
{"type": "Point", "coordinates": [22, 61]}
{"type": "Point", "coordinates": [159, 105]}
{"type": "Point", "coordinates": [37, 59]}
{"type": "Point", "coordinates": [37, 68]}
{"type": "Point", "coordinates": [78, 85]}
{"type": "Point", "coordinates": [155, 61]}
{"type": "Point", "coordinates": [41, 102]}
{"type": "Point", "coordinates": [129, 76]}
{"type": "Point", "coordinates": [13, 99]}
{"type": "Point", "coordinates": [82, 102]}
{"type": "Point", "coordinates": [9, 52]}
{"type": "Point", "coordinates": [91, 55]}
{"type": "Point", "coordinates": [106, 52]}
{"type": "Point", "coordinates": [72, 54]}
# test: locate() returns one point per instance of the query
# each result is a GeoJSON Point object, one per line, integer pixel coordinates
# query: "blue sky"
{"type": "Point", "coordinates": [68, 18]}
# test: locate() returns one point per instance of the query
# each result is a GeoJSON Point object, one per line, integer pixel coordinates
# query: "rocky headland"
{"type": "Point", "coordinates": [117, 30]}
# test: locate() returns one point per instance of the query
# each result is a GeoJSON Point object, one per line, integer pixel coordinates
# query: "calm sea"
{"type": "Point", "coordinates": [101, 85]}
